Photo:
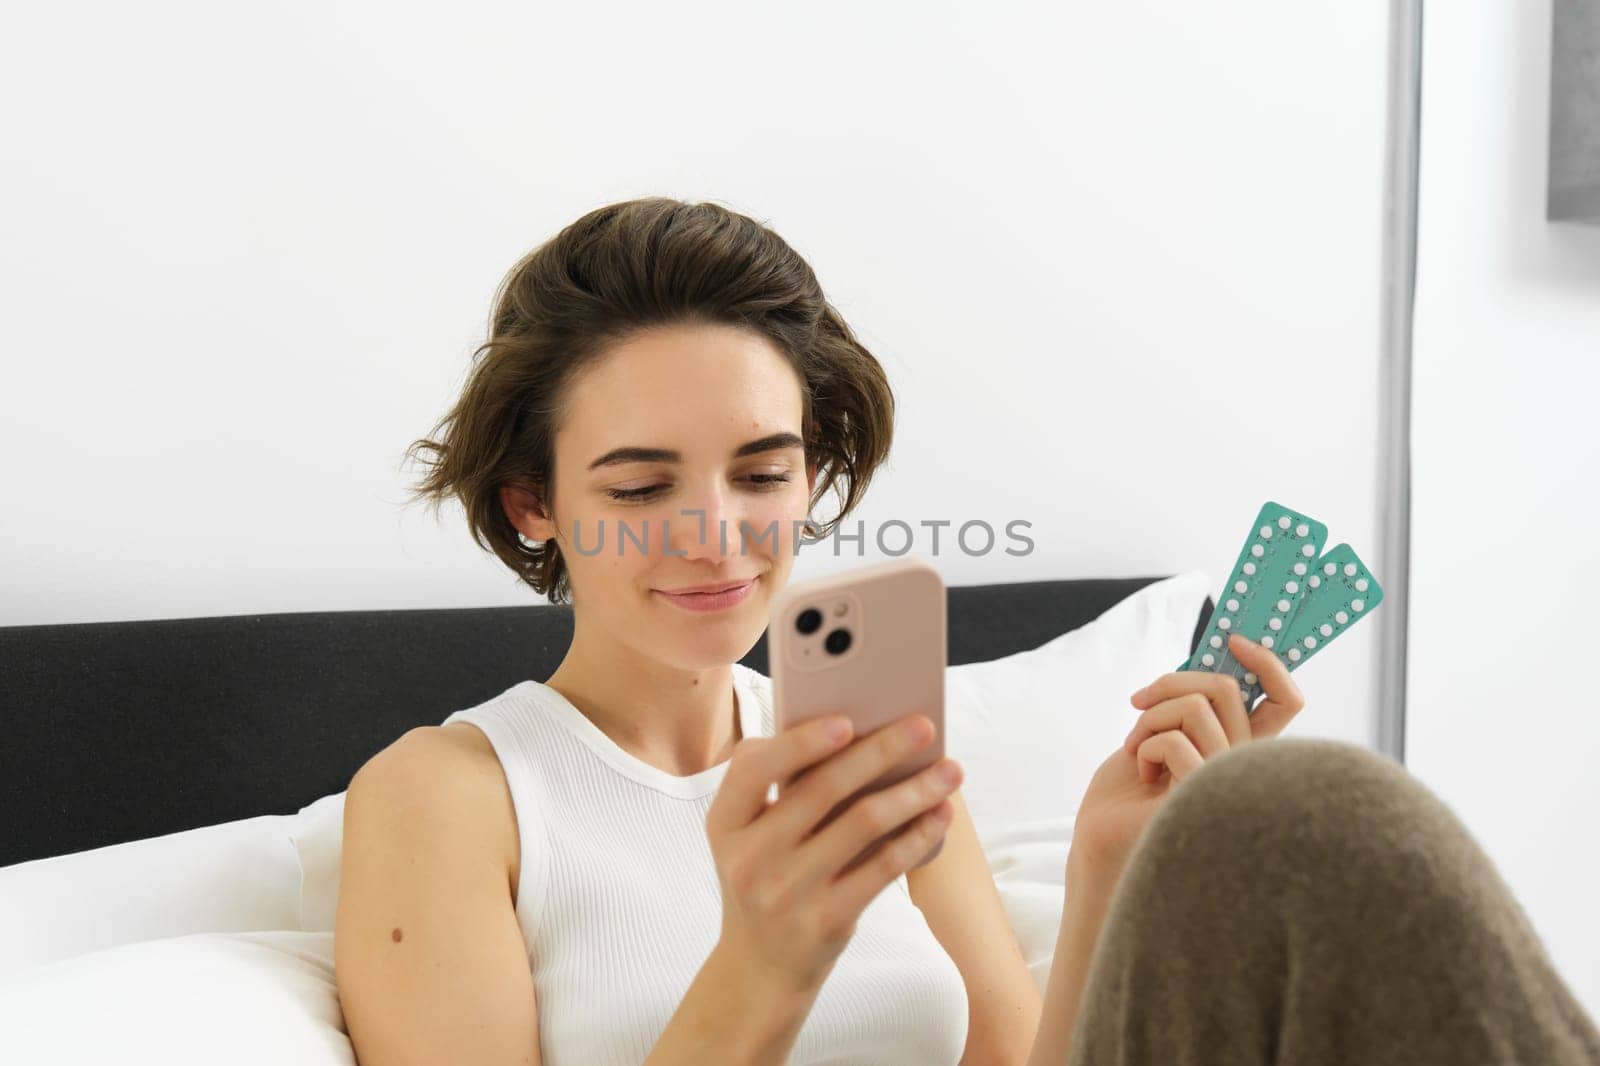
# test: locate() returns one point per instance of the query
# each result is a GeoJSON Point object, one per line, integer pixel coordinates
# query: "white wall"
{"type": "Point", "coordinates": [1500, 722]}
{"type": "Point", "coordinates": [1121, 262]}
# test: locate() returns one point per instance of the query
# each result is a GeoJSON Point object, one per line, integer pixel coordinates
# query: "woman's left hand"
{"type": "Point", "coordinates": [1189, 717]}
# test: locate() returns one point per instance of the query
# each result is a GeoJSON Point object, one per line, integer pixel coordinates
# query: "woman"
{"type": "Point", "coordinates": [590, 870]}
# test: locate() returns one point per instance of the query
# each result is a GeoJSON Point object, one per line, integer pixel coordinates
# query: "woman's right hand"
{"type": "Point", "coordinates": [789, 905]}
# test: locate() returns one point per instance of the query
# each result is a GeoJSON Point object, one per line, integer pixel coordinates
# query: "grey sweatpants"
{"type": "Point", "coordinates": [1306, 902]}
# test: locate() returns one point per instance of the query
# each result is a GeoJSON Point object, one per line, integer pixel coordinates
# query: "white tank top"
{"type": "Point", "coordinates": [619, 901]}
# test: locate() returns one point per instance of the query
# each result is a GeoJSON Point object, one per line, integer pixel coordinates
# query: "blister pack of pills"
{"type": "Point", "coordinates": [1285, 595]}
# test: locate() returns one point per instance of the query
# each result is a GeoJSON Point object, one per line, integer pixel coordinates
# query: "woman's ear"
{"type": "Point", "coordinates": [526, 510]}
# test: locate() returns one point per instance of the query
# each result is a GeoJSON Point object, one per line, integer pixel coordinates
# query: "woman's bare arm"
{"type": "Point", "coordinates": [430, 960]}
{"type": "Point", "coordinates": [1087, 899]}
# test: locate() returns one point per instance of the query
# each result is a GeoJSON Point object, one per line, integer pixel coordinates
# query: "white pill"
{"type": "Point", "coordinates": [1266, 642]}
{"type": "Point", "coordinates": [1341, 618]}
{"type": "Point", "coordinates": [1294, 653]}
{"type": "Point", "coordinates": [1314, 581]}
{"type": "Point", "coordinates": [1249, 568]}
{"type": "Point", "coordinates": [1292, 587]}
{"type": "Point", "coordinates": [1240, 586]}
{"type": "Point", "coordinates": [1224, 623]}
{"type": "Point", "coordinates": [1349, 569]}
{"type": "Point", "coordinates": [1302, 529]}
{"type": "Point", "coordinates": [1215, 642]}
{"type": "Point", "coordinates": [1249, 679]}
{"type": "Point", "coordinates": [1208, 659]}
{"type": "Point", "coordinates": [1266, 532]}
{"type": "Point", "coordinates": [1361, 585]}
{"type": "Point", "coordinates": [1311, 642]}
{"type": "Point", "coordinates": [1283, 605]}
{"type": "Point", "coordinates": [1257, 550]}
{"type": "Point", "coordinates": [1299, 569]}
{"type": "Point", "coordinates": [1330, 569]}
{"type": "Point", "coordinates": [1275, 624]}
{"type": "Point", "coordinates": [1326, 630]}
{"type": "Point", "coordinates": [1358, 605]}
{"type": "Point", "coordinates": [1309, 550]}
{"type": "Point", "coordinates": [1283, 522]}
{"type": "Point", "coordinates": [1233, 605]}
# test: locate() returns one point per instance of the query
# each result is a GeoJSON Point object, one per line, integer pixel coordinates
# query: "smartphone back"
{"type": "Point", "coordinates": [870, 643]}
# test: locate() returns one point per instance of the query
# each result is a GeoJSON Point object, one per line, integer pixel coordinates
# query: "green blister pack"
{"type": "Point", "coordinates": [1285, 594]}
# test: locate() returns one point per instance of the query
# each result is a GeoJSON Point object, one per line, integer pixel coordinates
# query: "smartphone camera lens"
{"type": "Point", "coordinates": [837, 641]}
{"type": "Point", "coordinates": [808, 620]}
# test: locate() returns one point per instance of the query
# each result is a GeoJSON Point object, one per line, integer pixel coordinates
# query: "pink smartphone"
{"type": "Point", "coordinates": [869, 643]}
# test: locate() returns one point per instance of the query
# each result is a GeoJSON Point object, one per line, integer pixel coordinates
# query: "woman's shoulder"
{"type": "Point", "coordinates": [454, 769]}
{"type": "Point", "coordinates": [460, 746]}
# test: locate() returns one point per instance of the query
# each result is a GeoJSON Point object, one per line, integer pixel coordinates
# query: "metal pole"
{"type": "Point", "coordinates": [1399, 286]}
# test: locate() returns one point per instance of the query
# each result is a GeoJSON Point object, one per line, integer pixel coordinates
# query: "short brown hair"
{"type": "Point", "coordinates": [618, 270]}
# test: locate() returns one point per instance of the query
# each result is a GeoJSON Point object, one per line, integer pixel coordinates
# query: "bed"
{"type": "Point", "coordinates": [155, 775]}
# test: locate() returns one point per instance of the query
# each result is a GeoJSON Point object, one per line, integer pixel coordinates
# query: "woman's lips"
{"type": "Point", "coordinates": [709, 601]}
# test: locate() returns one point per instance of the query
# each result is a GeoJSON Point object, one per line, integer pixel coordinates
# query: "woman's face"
{"type": "Point", "coordinates": [707, 516]}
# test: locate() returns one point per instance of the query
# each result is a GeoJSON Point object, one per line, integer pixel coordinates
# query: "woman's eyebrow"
{"type": "Point", "coordinates": [636, 454]}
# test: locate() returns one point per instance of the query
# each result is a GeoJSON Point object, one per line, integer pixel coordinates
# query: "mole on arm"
{"type": "Point", "coordinates": [396, 934]}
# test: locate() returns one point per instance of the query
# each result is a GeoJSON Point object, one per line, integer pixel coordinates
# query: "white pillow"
{"type": "Point", "coordinates": [266, 998]}
{"type": "Point", "coordinates": [317, 834]}
{"type": "Point", "coordinates": [1030, 729]}
{"type": "Point", "coordinates": [230, 877]}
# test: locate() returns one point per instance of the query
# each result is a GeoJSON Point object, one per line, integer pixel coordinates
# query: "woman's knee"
{"type": "Point", "coordinates": [1299, 883]}
{"type": "Point", "coordinates": [1290, 787]}
{"type": "Point", "coordinates": [1299, 788]}
{"type": "Point", "coordinates": [1295, 818]}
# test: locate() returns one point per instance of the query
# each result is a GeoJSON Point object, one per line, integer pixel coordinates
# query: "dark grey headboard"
{"type": "Point", "coordinates": [116, 731]}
